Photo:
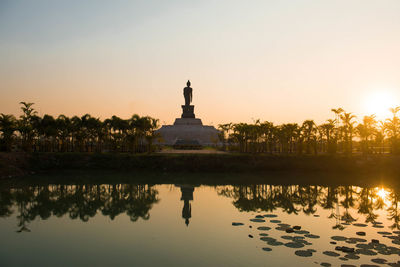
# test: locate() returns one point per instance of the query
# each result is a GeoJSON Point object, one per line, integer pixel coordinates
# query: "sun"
{"type": "Point", "coordinates": [378, 103]}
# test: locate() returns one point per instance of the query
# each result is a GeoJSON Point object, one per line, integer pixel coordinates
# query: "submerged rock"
{"type": "Point", "coordinates": [360, 224]}
{"type": "Point", "coordinates": [263, 228]}
{"type": "Point", "coordinates": [267, 249]}
{"type": "Point", "coordinates": [302, 232]}
{"type": "Point", "coordinates": [275, 221]}
{"type": "Point", "coordinates": [361, 233]}
{"type": "Point", "coordinates": [379, 260]}
{"type": "Point", "coordinates": [294, 245]}
{"type": "Point", "coordinates": [263, 234]}
{"type": "Point", "coordinates": [352, 256]}
{"type": "Point", "coordinates": [274, 243]}
{"type": "Point", "coordinates": [267, 238]}
{"type": "Point", "coordinates": [303, 253]}
{"type": "Point", "coordinates": [259, 216]}
{"type": "Point", "coordinates": [365, 246]}
{"type": "Point", "coordinates": [237, 223]}
{"type": "Point", "coordinates": [367, 252]}
{"type": "Point", "coordinates": [326, 264]}
{"type": "Point", "coordinates": [345, 249]}
{"type": "Point", "coordinates": [270, 215]}
{"type": "Point", "coordinates": [312, 236]}
{"type": "Point", "coordinates": [356, 239]}
{"type": "Point", "coordinates": [338, 238]}
{"type": "Point", "coordinates": [331, 253]}
{"type": "Point", "coordinates": [257, 220]}
{"type": "Point", "coordinates": [384, 233]}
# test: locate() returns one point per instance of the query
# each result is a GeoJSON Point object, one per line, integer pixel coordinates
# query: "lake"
{"type": "Point", "coordinates": [45, 221]}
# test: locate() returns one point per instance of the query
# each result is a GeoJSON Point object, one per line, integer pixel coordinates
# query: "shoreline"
{"type": "Point", "coordinates": [23, 164]}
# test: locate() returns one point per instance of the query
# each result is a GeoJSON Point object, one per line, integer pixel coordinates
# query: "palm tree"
{"type": "Point", "coordinates": [327, 129]}
{"type": "Point", "coordinates": [348, 129]}
{"type": "Point", "coordinates": [64, 129]}
{"type": "Point", "coordinates": [392, 128]}
{"type": "Point", "coordinates": [365, 131]}
{"type": "Point", "coordinates": [25, 126]}
{"type": "Point", "coordinates": [309, 131]}
{"type": "Point", "coordinates": [224, 133]}
{"type": "Point", "coordinates": [8, 125]}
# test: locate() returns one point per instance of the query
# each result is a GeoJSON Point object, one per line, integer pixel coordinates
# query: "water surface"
{"type": "Point", "coordinates": [141, 224]}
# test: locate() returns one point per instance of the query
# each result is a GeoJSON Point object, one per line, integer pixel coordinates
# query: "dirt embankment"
{"type": "Point", "coordinates": [18, 164]}
{"type": "Point", "coordinates": [14, 164]}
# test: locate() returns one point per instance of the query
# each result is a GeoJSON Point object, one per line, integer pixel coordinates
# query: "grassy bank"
{"type": "Point", "coordinates": [20, 164]}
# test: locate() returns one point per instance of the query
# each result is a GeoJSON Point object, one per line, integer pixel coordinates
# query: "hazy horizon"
{"type": "Point", "coordinates": [284, 61]}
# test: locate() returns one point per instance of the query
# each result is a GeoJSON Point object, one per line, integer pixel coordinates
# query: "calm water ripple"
{"type": "Point", "coordinates": [198, 225]}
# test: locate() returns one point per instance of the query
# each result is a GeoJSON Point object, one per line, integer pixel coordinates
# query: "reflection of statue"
{"type": "Point", "coordinates": [187, 195]}
{"type": "Point", "coordinates": [187, 93]}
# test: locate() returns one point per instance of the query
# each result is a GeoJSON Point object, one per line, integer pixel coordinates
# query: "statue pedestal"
{"type": "Point", "coordinates": [188, 111]}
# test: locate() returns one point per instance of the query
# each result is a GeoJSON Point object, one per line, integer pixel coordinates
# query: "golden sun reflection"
{"type": "Point", "coordinates": [382, 193]}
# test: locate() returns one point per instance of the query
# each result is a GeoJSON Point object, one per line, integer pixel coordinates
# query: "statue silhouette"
{"type": "Point", "coordinates": [187, 93]}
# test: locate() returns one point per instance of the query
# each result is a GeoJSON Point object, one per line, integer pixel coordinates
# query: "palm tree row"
{"type": "Point", "coordinates": [342, 134]}
{"type": "Point", "coordinates": [31, 132]}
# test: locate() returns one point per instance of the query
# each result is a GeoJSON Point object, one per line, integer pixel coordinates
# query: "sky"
{"type": "Point", "coordinates": [280, 61]}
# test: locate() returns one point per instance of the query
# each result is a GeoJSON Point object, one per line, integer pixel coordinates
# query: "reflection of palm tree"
{"type": "Point", "coordinates": [347, 192]}
{"type": "Point", "coordinates": [366, 204]}
{"type": "Point", "coordinates": [394, 210]}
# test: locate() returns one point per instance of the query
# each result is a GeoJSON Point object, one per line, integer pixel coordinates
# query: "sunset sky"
{"type": "Point", "coordinates": [281, 61]}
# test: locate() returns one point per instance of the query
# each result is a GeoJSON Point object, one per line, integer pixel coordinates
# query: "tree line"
{"type": "Point", "coordinates": [339, 135]}
{"type": "Point", "coordinates": [345, 203]}
{"type": "Point", "coordinates": [30, 132]}
{"type": "Point", "coordinates": [85, 201]}
{"type": "Point", "coordinates": [77, 202]}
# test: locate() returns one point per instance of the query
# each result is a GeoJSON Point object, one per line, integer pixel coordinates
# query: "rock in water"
{"type": "Point", "coordinates": [331, 253]}
{"type": "Point", "coordinates": [237, 223]}
{"type": "Point", "coordinates": [303, 253]}
{"type": "Point", "coordinates": [263, 228]}
{"type": "Point", "coordinates": [257, 220]}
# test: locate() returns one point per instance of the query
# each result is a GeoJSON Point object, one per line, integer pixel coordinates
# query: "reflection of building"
{"type": "Point", "coordinates": [187, 196]}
